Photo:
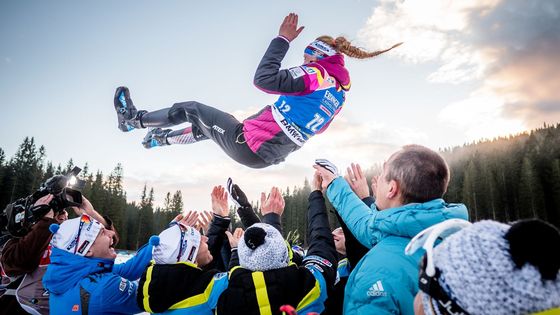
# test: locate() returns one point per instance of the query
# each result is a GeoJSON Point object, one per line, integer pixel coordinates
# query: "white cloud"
{"type": "Point", "coordinates": [480, 116]}
{"type": "Point", "coordinates": [510, 48]}
{"type": "Point", "coordinates": [430, 31]}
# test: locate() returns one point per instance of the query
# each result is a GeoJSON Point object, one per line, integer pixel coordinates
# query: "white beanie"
{"type": "Point", "coordinates": [76, 235]}
{"type": "Point", "coordinates": [478, 269]}
{"type": "Point", "coordinates": [177, 245]}
{"type": "Point", "coordinates": [262, 248]}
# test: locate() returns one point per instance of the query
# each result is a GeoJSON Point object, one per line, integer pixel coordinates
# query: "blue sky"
{"type": "Point", "coordinates": [465, 72]}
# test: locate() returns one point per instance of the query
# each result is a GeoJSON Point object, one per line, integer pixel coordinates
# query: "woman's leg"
{"type": "Point", "coordinates": [206, 123]}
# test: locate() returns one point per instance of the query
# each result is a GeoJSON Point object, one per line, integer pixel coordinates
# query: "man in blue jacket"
{"type": "Point", "coordinates": [408, 195]}
{"type": "Point", "coordinates": [82, 277]}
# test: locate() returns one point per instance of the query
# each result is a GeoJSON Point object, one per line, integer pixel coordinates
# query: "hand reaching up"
{"type": "Point", "coordinates": [357, 181]}
{"type": "Point", "coordinates": [274, 203]}
{"type": "Point", "coordinates": [289, 28]}
{"type": "Point", "coordinates": [235, 237]}
{"type": "Point", "coordinates": [220, 201]}
{"type": "Point", "coordinates": [237, 195]}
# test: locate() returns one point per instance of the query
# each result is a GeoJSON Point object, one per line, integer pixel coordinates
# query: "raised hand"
{"type": "Point", "coordinates": [204, 220]}
{"type": "Point", "coordinates": [274, 203]}
{"type": "Point", "coordinates": [317, 182]}
{"type": "Point", "coordinates": [220, 201]}
{"type": "Point", "coordinates": [326, 176]}
{"type": "Point", "coordinates": [190, 218]}
{"type": "Point", "coordinates": [357, 181]}
{"type": "Point", "coordinates": [289, 27]}
{"type": "Point", "coordinates": [235, 237]}
{"type": "Point", "coordinates": [237, 195]}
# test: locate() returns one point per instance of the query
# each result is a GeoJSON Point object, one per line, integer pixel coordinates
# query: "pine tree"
{"type": "Point", "coordinates": [27, 167]}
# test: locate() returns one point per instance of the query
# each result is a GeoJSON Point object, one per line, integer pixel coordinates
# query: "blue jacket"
{"type": "Point", "coordinates": [76, 283]}
{"type": "Point", "coordinates": [385, 280]}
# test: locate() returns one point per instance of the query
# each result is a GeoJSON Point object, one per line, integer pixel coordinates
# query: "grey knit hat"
{"type": "Point", "coordinates": [262, 248]}
{"type": "Point", "coordinates": [494, 268]}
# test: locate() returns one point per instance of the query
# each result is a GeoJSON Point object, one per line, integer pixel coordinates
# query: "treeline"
{"type": "Point", "coordinates": [504, 179]}
{"type": "Point", "coordinates": [24, 173]}
{"type": "Point", "coordinates": [509, 178]}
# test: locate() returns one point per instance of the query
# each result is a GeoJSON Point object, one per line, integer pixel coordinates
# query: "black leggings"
{"type": "Point", "coordinates": [208, 123]}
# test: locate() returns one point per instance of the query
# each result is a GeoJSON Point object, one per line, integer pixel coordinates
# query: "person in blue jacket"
{"type": "Point", "coordinates": [82, 277]}
{"type": "Point", "coordinates": [408, 195]}
{"type": "Point", "coordinates": [310, 96]}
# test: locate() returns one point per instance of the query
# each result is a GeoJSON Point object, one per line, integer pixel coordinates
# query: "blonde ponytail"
{"type": "Point", "coordinates": [342, 45]}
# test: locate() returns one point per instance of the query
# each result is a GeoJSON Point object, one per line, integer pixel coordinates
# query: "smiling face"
{"type": "Point", "coordinates": [102, 247]}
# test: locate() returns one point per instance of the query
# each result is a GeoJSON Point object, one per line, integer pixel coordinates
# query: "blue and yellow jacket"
{"type": "Point", "coordinates": [385, 280]}
{"type": "Point", "coordinates": [180, 288]}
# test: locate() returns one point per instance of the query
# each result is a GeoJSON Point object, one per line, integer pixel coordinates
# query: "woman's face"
{"type": "Point", "coordinates": [308, 59]}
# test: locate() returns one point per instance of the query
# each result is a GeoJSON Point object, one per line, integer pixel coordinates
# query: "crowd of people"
{"type": "Point", "coordinates": [402, 250]}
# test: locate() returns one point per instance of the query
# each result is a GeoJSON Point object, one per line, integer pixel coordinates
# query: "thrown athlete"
{"type": "Point", "coordinates": [311, 96]}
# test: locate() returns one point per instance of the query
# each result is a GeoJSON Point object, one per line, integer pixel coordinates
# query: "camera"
{"type": "Point", "coordinates": [18, 217]}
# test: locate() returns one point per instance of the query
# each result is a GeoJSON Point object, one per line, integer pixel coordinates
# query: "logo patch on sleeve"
{"type": "Point", "coordinates": [317, 260]}
{"type": "Point", "coordinates": [122, 285]}
{"type": "Point", "coordinates": [296, 72]}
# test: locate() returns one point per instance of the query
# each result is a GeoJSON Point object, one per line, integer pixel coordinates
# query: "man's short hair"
{"type": "Point", "coordinates": [422, 173]}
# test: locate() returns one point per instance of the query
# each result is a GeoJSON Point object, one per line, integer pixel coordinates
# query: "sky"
{"type": "Point", "coordinates": [467, 70]}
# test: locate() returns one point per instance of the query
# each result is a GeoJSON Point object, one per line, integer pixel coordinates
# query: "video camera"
{"type": "Point", "coordinates": [18, 217]}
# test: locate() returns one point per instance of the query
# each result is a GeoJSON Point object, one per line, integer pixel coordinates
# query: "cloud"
{"type": "Point", "coordinates": [510, 48]}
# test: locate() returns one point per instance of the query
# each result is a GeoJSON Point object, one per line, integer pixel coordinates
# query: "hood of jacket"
{"type": "Point", "coordinates": [411, 219]}
{"type": "Point", "coordinates": [66, 270]}
{"type": "Point", "coordinates": [335, 67]}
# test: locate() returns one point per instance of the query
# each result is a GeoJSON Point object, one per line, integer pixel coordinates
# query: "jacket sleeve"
{"type": "Point", "coordinates": [248, 216]}
{"type": "Point", "coordinates": [322, 252]}
{"type": "Point", "coordinates": [134, 267]}
{"type": "Point", "coordinates": [274, 220]}
{"type": "Point", "coordinates": [355, 214]}
{"type": "Point", "coordinates": [271, 79]}
{"type": "Point", "coordinates": [216, 236]}
{"type": "Point", "coordinates": [234, 260]}
{"type": "Point", "coordinates": [118, 295]}
{"type": "Point", "coordinates": [23, 255]}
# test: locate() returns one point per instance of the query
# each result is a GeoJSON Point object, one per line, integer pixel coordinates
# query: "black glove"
{"type": "Point", "coordinates": [237, 195]}
{"type": "Point", "coordinates": [328, 165]}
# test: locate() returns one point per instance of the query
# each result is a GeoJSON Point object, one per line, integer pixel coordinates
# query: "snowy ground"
{"type": "Point", "coordinates": [123, 256]}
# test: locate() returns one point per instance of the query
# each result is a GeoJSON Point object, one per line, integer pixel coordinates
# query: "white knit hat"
{"type": "Point", "coordinates": [76, 235]}
{"type": "Point", "coordinates": [479, 271]}
{"type": "Point", "coordinates": [262, 248]}
{"type": "Point", "coordinates": [177, 245]}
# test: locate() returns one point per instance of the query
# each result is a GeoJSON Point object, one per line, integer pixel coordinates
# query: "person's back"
{"type": "Point", "coordinates": [250, 291]}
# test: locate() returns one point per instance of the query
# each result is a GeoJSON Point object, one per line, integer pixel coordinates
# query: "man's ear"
{"type": "Point", "coordinates": [394, 189]}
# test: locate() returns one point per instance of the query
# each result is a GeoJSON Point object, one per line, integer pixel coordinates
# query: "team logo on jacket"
{"type": "Point", "coordinates": [297, 72]}
{"type": "Point", "coordinates": [376, 289]}
{"type": "Point", "coordinates": [122, 285]}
